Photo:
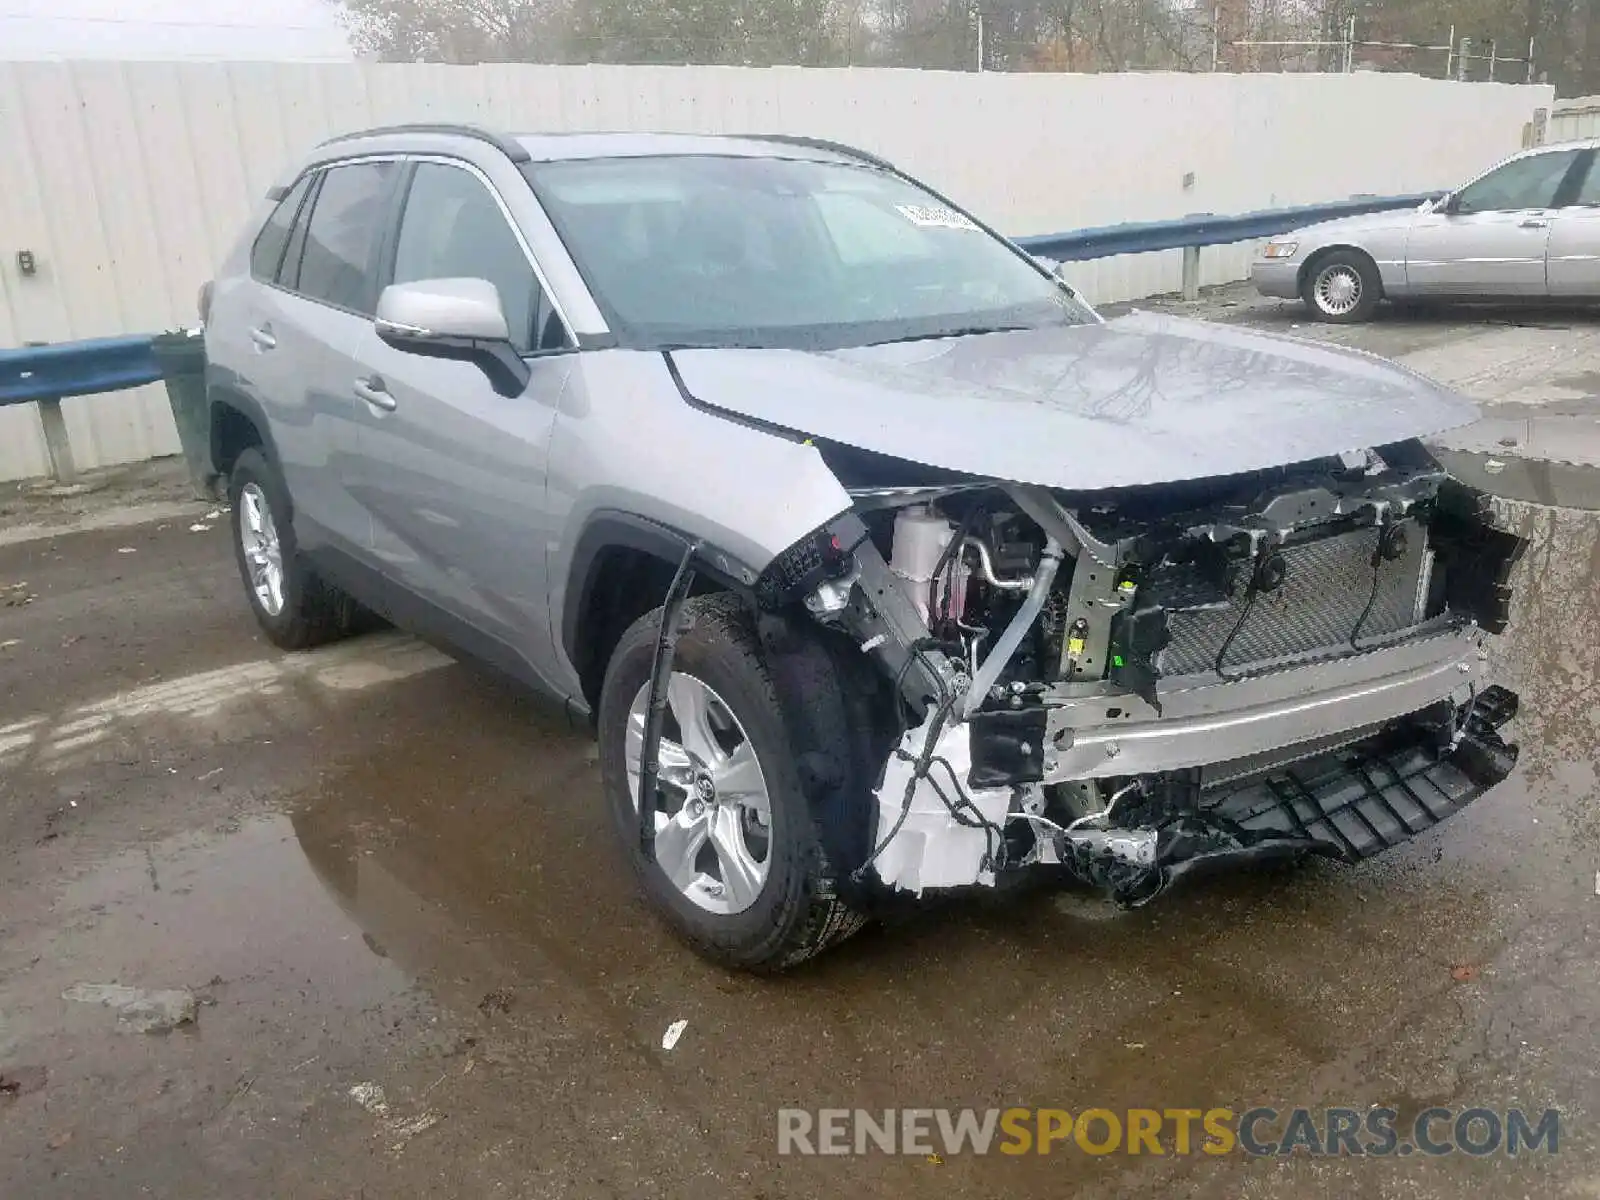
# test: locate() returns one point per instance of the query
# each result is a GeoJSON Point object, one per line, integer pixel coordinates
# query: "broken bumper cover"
{"type": "Point", "coordinates": [1348, 803]}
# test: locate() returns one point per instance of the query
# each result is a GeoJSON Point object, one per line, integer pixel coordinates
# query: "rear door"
{"type": "Point", "coordinates": [1492, 241]}
{"type": "Point", "coordinates": [243, 363]}
{"type": "Point", "coordinates": [452, 473]}
{"type": "Point", "coordinates": [326, 294]}
{"type": "Point", "coordinates": [1572, 260]}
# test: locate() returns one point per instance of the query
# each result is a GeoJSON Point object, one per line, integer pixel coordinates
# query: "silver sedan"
{"type": "Point", "coordinates": [1526, 228]}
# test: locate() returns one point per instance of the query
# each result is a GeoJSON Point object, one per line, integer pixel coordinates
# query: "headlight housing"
{"type": "Point", "coordinates": [1279, 249]}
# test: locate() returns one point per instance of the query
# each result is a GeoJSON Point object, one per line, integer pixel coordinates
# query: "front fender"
{"type": "Point", "coordinates": [632, 460]}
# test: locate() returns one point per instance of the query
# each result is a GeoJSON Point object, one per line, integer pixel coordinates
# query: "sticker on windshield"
{"type": "Point", "coordinates": [935, 216]}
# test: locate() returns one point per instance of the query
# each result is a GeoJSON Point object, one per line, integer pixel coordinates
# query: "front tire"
{"type": "Point", "coordinates": [738, 869]}
{"type": "Point", "coordinates": [1342, 287]}
{"type": "Point", "coordinates": [294, 608]}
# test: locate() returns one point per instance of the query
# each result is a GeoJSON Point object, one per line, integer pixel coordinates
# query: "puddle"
{"type": "Point", "coordinates": [440, 913]}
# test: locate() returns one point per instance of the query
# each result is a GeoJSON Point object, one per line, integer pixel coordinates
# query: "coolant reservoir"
{"type": "Point", "coordinates": [920, 538]}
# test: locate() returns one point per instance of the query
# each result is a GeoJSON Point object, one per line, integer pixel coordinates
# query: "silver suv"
{"type": "Point", "coordinates": [880, 562]}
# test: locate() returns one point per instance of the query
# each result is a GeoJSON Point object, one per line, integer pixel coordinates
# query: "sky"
{"type": "Point", "coordinates": [278, 30]}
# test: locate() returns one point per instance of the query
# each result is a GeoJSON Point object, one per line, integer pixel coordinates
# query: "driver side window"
{"type": "Point", "coordinates": [453, 228]}
{"type": "Point", "coordinates": [1530, 182]}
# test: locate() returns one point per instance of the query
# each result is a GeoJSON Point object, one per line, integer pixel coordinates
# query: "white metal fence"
{"type": "Point", "coordinates": [127, 182]}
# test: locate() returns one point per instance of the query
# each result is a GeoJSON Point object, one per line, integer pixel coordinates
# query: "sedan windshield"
{"type": "Point", "coordinates": [767, 252]}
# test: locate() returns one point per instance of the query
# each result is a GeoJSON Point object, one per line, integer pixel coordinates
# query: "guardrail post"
{"type": "Point", "coordinates": [1191, 272]}
{"type": "Point", "coordinates": [56, 443]}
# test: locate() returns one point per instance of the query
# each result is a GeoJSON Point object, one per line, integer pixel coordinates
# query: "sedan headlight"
{"type": "Point", "coordinates": [1280, 249]}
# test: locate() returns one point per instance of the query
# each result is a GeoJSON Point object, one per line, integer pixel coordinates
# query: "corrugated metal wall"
{"type": "Point", "coordinates": [1574, 120]}
{"type": "Point", "coordinates": [129, 181]}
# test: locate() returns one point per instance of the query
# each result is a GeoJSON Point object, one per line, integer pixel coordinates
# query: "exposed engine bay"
{"type": "Point", "coordinates": [1136, 684]}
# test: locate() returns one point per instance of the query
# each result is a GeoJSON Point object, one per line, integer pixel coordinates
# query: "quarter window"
{"type": "Point", "coordinates": [1588, 194]}
{"type": "Point", "coordinates": [267, 254]}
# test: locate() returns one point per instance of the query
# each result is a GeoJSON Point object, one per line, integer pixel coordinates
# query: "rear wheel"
{"type": "Point", "coordinates": [738, 868]}
{"type": "Point", "coordinates": [1342, 286]}
{"type": "Point", "coordinates": [294, 608]}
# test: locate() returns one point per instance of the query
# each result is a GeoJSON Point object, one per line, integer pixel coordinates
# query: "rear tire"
{"type": "Point", "coordinates": [300, 611]}
{"type": "Point", "coordinates": [798, 910]}
{"type": "Point", "coordinates": [1342, 287]}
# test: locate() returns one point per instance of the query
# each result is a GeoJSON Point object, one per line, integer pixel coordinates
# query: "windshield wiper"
{"type": "Point", "coordinates": [964, 331]}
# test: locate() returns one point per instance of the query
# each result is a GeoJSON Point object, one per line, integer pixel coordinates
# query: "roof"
{"type": "Point", "coordinates": [554, 147]}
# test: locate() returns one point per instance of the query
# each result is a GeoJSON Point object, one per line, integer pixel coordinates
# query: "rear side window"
{"type": "Point", "coordinates": [1588, 194]}
{"type": "Point", "coordinates": [336, 264]}
{"type": "Point", "coordinates": [267, 255]}
{"type": "Point", "coordinates": [454, 228]}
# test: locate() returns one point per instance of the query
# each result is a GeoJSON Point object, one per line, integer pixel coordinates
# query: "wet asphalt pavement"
{"type": "Point", "coordinates": [375, 866]}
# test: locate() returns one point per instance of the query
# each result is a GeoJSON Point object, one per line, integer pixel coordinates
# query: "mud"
{"type": "Point", "coordinates": [420, 967]}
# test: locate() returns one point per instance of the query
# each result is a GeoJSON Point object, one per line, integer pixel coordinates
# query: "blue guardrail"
{"type": "Point", "coordinates": [1202, 229]}
{"type": "Point", "coordinates": [76, 369]}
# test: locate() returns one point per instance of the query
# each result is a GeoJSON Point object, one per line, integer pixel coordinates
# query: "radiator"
{"type": "Point", "coordinates": [1329, 584]}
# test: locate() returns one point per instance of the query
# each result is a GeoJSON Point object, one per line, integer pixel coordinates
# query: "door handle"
{"type": "Point", "coordinates": [1534, 223]}
{"type": "Point", "coordinates": [375, 394]}
{"type": "Point", "coordinates": [262, 336]}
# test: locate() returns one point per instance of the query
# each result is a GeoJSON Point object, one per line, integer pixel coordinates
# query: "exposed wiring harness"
{"type": "Point", "coordinates": [656, 705]}
{"type": "Point", "coordinates": [962, 810]}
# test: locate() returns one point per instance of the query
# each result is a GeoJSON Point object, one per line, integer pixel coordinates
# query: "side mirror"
{"type": "Point", "coordinates": [453, 318]}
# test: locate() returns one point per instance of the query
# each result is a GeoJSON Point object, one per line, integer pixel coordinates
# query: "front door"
{"type": "Point", "coordinates": [1490, 240]}
{"type": "Point", "coordinates": [1572, 261]}
{"type": "Point", "coordinates": [453, 473]}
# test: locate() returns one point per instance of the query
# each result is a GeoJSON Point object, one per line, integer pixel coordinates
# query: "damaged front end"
{"type": "Point", "coordinates": [1143, 683]}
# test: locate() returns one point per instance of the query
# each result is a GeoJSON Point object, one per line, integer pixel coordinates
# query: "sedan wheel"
{"type": "Point", "coordinates": [1338, 290]}
{"type": "Point", "coordinates": [1342, 286]}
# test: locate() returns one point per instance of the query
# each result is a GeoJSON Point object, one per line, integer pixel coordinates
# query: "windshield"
{"type": "Point", "coordinates": [766, 252]}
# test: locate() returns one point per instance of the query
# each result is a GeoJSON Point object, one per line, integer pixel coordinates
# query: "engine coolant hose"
{"type": "Point", "coordinates": [1043, 579]}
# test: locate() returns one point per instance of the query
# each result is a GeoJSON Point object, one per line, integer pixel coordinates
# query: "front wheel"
{"type": "Point", "coordinates": [1343, 287]}
{"type": "Point", "coordinates": [737, 866]}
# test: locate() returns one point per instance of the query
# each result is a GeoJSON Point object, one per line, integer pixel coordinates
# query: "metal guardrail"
{"type": "Point", "coordinates": [45, 374]}
{"type": "Point", "coordinates": [1190, 233]}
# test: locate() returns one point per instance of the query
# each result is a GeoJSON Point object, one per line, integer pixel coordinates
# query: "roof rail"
{"type": "Point", "coordinates": [515, 151]}
{"type": "Point", "coordinates": [811, 143]}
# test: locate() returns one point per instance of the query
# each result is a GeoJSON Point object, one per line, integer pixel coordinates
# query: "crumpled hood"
{"type": "Point", "coordinates": [1142, 399]}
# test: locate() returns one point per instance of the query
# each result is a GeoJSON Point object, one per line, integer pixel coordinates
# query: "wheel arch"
{"type": "Point", "coordinates": [237, 422]}
{"type": "Point", "coordinates": [622, 565]}
{"type": "Point", "coordinates": [1321, 253]}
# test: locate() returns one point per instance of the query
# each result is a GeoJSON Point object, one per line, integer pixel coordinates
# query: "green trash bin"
{"type": "Point", "coordinates": [181, 355]}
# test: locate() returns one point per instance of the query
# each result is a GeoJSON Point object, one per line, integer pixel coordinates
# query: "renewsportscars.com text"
{"type": "Point", "coordinates": [1375, 1132]}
